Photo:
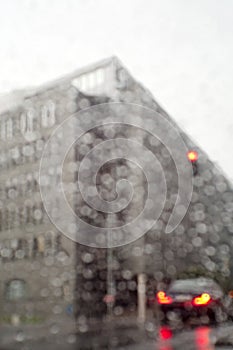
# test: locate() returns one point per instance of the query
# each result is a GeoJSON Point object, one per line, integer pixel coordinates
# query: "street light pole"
{"type": "Point", "coordinates": [110, 279]}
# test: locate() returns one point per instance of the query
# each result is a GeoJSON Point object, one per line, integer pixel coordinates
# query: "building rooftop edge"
{"type": "Point", "coordinates": [16, 97]}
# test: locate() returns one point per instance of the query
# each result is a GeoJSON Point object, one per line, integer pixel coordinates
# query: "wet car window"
{"type": "Point", "coordinates": [195, 286]}
{"type": "Point", "coordinates": [116, 213]}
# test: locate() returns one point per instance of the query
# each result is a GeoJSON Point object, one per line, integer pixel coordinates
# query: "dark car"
{"type": "Point", "coordinates": [198, 300]}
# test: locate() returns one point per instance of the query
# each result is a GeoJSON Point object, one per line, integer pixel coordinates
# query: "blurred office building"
{"type": "Point", "coordinates": [47, 272]}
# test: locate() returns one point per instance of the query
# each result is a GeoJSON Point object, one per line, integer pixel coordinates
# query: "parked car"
{"type": "Point", "coordinates": [197, 300]}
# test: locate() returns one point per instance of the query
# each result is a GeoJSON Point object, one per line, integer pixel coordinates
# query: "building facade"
{"type": "Point", "coordinates": [43, 272]}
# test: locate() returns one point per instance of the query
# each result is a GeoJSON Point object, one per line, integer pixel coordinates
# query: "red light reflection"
{"type": "Point", "coordinates": [165, 333]}
{"type": "Point", "coordinates": [202, 338]}
{"type": "Point", "coordinates": [198, 338]}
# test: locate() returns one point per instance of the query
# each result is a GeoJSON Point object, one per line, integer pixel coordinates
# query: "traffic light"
{"type": "Point", "coordinates": [193, 158]}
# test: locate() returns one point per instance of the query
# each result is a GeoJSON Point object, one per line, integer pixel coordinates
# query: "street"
{"type": "Point", "coordinates": [126, 337]}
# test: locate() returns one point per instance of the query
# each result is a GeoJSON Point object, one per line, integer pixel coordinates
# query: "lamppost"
{"type": "Point", "coordinates": [111, 290]}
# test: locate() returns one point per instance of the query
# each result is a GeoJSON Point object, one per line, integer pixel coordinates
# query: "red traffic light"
{"type": "Point", "coordinates": [192, 156]}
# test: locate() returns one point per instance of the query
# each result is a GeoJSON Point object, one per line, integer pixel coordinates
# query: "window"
{"type": "Point", "coordinates": [15, 290]}
{"type": "Point", "coordinates": [23, 123]}
{"type": "Point", "coordinates": [90, 81]}
{"type": "Point", "coordinates": [30, 120]}
{"type": "Point", "coordinates": [48, 115]}
{"type": "Point", "coordinates": [9, 128]}
{"type": "Point", "coordinates": [3, 130]}
{"type": "Point", "coordinates": [41, 244]}
{"type": "Point", "coordinates": [15, 155]}
{"type": "Point", "coordinates": [27, 121]}
{"type": "Point", "coordinates": [1, 218]}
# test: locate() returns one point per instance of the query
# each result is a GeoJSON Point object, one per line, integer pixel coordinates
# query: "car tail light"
{"type": "Point", "coordinates": [202, 299]}
{"type": "Point", "coordinates": [163, 298]}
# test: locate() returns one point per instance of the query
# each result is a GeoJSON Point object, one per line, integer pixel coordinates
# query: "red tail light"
{"type": "Point", "coordinates": [163, 298]}
{"type": "Point", "coordinates": [202, 299]}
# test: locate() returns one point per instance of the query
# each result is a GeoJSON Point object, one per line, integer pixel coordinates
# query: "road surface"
{"type": "Point", "coordinates": [121, 338]}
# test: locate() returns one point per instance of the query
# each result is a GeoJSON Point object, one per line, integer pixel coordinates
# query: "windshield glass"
{"type": "Point", "coordinates": [189, 286]}
{"type": "Point", "coordinates": [116, 195]}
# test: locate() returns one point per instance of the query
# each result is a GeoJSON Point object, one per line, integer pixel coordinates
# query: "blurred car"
{"type": "Point", "coordinates": [199, 300]}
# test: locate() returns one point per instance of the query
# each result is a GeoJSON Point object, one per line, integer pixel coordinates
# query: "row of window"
{"type": "Point", "coordinates": [18, 187]}
{"type": "Point", "coordinates": [91, 81]}
{"type": "Point", "coordinates": [28, 122]}
{"type": "Point", "coordinates": [22, 154]}
{"type": "Point", "coordinates": [43, 245]}
{"type": "Point", "coordinates": [27, 153]}
{"type": "Point", "coordinates": [14, 217]}
{"type": "Point", "coordinates": [25, 184]}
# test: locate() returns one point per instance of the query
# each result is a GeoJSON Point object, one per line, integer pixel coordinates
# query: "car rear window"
{"type": "Point", "coordinates": [192, 286]}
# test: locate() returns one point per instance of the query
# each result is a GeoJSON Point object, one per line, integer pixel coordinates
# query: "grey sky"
{"type": "Point", "coordinates": [181, 50]}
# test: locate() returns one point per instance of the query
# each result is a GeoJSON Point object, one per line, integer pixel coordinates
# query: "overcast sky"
{"type": "Point", "coordinates": [181, 50]}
